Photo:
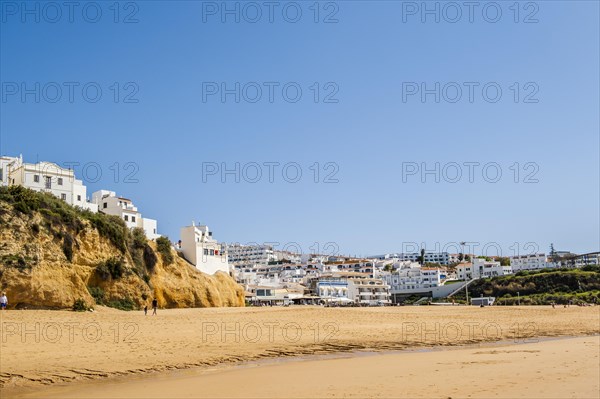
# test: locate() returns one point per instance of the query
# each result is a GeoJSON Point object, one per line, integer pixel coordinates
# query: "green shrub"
{"type": "Point", "coordinates": [541, 287]}
{"type": "Point", "coordinates": [80, 306]}
{"type": "Point", "coordinates": [122, 304]}
{"type": "Point", "coordinates": [163, 245]}
{"type": "Point", "coordinates": [110, 227]}
{"type": "Point", "coordinates": [112, 268]}
{"type": "Point", "coordinates": [16, 261]}
{"type": "Point", "coordinates": [98, 294]}
{"type": "Point", "coordinates": [138, 238]}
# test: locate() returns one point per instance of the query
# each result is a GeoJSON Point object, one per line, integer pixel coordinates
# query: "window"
{"type": "Point", "coordinates": [60, 181]}
{"type": "Point", "coordinates": [105, 205]}
{"type": "Point", "coordinates": [1, 175]}
{"type": "Point", "coordinates": [212, 252]}
{"type": "Point", "coordinates": [79, 198]}
{"type": "Point", "coordinates": [63, 197]}
{"type": "Point", "coordinates": [48, 182]}
{"type": "Point", "coordinates": [36, 178]}
{"type": "Point", "coordinates": [133, 218]}
{"type": "Point", "coordinates": [126, 218]}
{"type": "Point", "coordinates": [205, 251]}
{"type": "Point", "coordinates": [154, 231]}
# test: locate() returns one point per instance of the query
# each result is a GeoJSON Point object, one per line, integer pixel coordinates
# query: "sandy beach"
{"type": "Point", "coordinates": [111, 353]}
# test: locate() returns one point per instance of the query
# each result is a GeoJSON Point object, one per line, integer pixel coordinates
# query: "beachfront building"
{"type": "Point", "coordinates": [369, 291]}
{"type": "Point", "coordinates": [202, 250]}
{"type": "Point", "coordinates": [332, 289]}
{"type": "Point", "coordinates": [109, 203]}
{"type": "Point", "coordinates": [413, 279]}
{"type": "Point", "coordinates": [276, 295]}
{"type": "Point", "coordinates": [480, 268]}
{"type": "Point", "coordinates": [250, 254]}
{"type": "Point", "coordinates": [46, 177]}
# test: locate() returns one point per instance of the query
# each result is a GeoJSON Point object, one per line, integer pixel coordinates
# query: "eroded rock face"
{"type": "Point", "coordinates": [35, 272]}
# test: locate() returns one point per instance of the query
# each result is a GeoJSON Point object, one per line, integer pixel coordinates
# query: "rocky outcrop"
{"type": "Point", "coordinates": [35, 270]}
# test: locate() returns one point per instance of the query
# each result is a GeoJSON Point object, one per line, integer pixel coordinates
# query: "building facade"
{"type": "Point", "coordinates": [443, 258]}
{"type": "Point", "coordinates": [250, 254]}
{"type": "Point", "coordinates": [369, 292]}
{"type": "Point", "coordinates": [109, 203]}
{"type": "Point", "coordinates": [46, 177]}
{"type": "Point", "coordinates": [480, 268]}
{"type": "Point", "coordinates": [413, 279]}
{"type": "Point", "coordinates": [530, 262]}
{"type": "Point", "coordinates": [202, 250]}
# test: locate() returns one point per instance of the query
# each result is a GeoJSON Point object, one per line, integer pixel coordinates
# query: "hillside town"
{"type": "Point", "coordinates": [282, 277]}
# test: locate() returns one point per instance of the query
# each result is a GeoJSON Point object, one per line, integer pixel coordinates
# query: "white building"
{"type": "Point", "coordinates": [413, 279]}
{"type": "Point", "coordinates": [250, 254]}
{"type": "Point", "coordinates": [443, 258]}
{"type": "Point", "coordinates": [292, 257]}
{"type": "Point", "coordinates": [480, 268]}
{"type": "Point", "coordinates": [332, 289]}
{"type": "Point", "coordinates": [530, 262]}
{"type": "Point", "coordinates": [46, 177]}
{"type": "Point", "coordinates": [369, 291]}
{"type": "Point", "coordinates": [352, 287]}
{"type": "Point", "coordinates": [202, 250]}
{"type": "Point", "coordinates": [8, 164]}
{"type": "Point", "coordinates": [109, 203]}
{"type": "Point", "coordinates": [592, 258]}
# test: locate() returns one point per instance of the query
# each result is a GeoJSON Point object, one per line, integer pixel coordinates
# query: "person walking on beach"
{"type": "Point", "coordinates": [3, 301]}
{"type": "Point", "coordinates": [154, 306]}
{"type": "Point", "coordinates": [146, 310]}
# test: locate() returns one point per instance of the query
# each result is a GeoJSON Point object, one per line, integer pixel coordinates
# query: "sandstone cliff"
{"type": "Point", "coordinates": [52, 255]}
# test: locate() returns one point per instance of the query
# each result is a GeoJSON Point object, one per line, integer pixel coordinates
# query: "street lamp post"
{"type": "Point", "coordinates": [462, 244]}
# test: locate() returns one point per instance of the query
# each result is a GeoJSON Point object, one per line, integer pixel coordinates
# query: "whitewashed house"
{"type": "Point", "coordinates": [202, 250]}
{"type": "Point", "coordinates": [530, 262]}
{"type": "Point", "coordinates": [46, 177]}
{"type": "Point", "coordinates": [7, 164]}
{"type": "Point", "coordinates": [369, 291]}
{"type": "Point", "coordinates": [109, 203]}
{"type": "Point", "coordinates": [413, 279]}
{"type": "Point", "coordinates": [480, 268]}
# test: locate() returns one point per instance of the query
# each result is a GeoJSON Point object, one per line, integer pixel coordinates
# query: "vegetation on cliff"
{"type": "Point", "coordinates": [53, 255]}
{"type": "Point", "coordinates": [541, 287]}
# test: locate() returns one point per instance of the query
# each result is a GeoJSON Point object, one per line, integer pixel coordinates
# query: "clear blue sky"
{"type": "Point", "coordinates": [369, 55]}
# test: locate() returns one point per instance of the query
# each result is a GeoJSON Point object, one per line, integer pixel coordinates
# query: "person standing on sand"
{"type": "Point", "coordinates": [3, 301]}
{"type": "Point", "coordinates": [146, 310]}
{"type": "Point", "coordinates": [154, 306]}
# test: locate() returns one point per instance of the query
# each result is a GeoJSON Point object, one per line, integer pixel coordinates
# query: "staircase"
{"type": "Point", "coordinates": [422, 300]}
{"type": "Point", "coordinates": [462, 287]}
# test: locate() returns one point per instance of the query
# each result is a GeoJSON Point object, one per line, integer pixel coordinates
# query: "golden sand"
{"type": "Point", "coordinates": [41, 348]}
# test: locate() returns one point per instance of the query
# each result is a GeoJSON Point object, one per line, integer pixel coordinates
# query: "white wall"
{"type": "Point", "coordinates": [48, 177]}
{"type": "Point", "coordinates": [204, 252]}
{"type": "Point", "coordinates": [150, 228]}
